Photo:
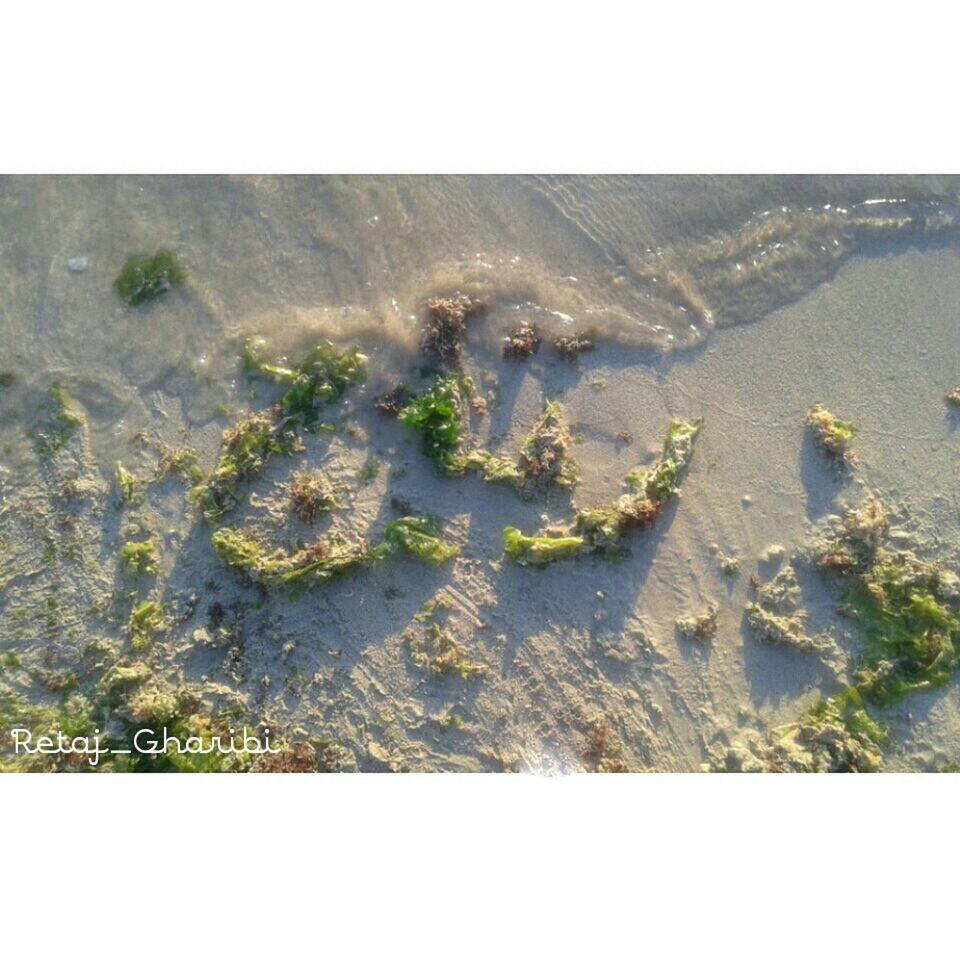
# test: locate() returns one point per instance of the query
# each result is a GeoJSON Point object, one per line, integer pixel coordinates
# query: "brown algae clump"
{"type": "Point", "coordinates": [571, 346]}
{"type": "Point", "coordinates": [700, 627]}
{"type": "Point", "coordinates": [310, 494]}
{"type": "Point", "coordinates": [603, 751]}
{"type": "Point", "coordinates": [602, 529]}
{"type": "Point", "coordinates": [769, 627]}
{"type": "Point", "coordinates": [833, 434]}
{"type": "Point", "coordinates": [146, 278]}
{"type": "Point", "coordinates": [446, 320]}
{"type": "Point", "coordinates": [434, 647]}
{"type": "Point", "coordinates": [776, 618]}
{"type": "Point", "coordinates": [522, 342]}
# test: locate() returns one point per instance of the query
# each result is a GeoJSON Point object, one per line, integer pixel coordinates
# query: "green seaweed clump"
{"type": "Point", "coordinates": [146, 620]}
{"type": "Point", "coordinates": [62, 418]}
{"type": "Point", "coordinates": [435, 415]}
{"type": "Point", "coordinates": [907, 610]}
{"type": "Point", "coordinates": [330, 556]}
{"type": "Point", "coordinates": [147, 278]}
{"type": "Point", "coordinates": [138, 557]}
{"type": "Point", "coordinates": [421, 537]}
{"type": "Point", "coordinates": [833, 434]}
{"type": "Point", "coordinates": [182, 461]}
{"type": "Point", "coordinates": [238, 549]}
{"type": "Point", "coordinates": [245, 448]}
{"type": "Point", "coordinates": [327, 558]}
{"type": "Point", "coordinates": [911, 634]}
{"type": "Point", "coordinates": [540, 550]}
{"type": "Point", "coordinates": [322, 377]}
{"type": "Point", "coordinates": [602, 529]}
{"type": "Point", "coordinates": [836, 735]}
{"type": "Point", "coordinates": [128, 487]}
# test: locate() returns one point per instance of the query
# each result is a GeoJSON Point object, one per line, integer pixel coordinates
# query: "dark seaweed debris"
{"type": "Point", "coordinates": [441, 338]}
{"type": "Point", "coordinates": [570, 347]}
{"type": "Point", "coordinates": [146, 278]}
{"type": "Point", "coordinates": [522, 342]}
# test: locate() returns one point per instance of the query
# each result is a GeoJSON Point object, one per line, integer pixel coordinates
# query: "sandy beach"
{"type": "Point", "coordinates": [560, 657]}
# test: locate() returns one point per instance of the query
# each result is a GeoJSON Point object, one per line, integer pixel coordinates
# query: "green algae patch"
{"type": "Point", "coordinates": [127, 487]}
{"type": "Point", "coordinates": [911, 636]}
{"type": "Point", "coordinates": [145, 278]}
{"type": "Point", "coordinates": [836, 735]}
{"type": "Point", "coordinates": [182, 461]}
{"type": "Point", "coordinates": [834, 435]}
{"type": "Point", "coordinates": [539, 550]}
{"type": "Point", "coordinates": [60, 419]}
{"type": "Point", "coordinates": [245, 448]}
{"type": "Point", "coordinates": [436, 416]}
{"type": "Point", "coordinates": [146, 621]}
{"type": "Point", "coordinates": [421, 537]}
{"type": "Point", "coordinates": [906, 610]}
{"type": "Point", "coordinates": [330, 556]}
{"type": "Point", "coordinates": [237, 548]}
{"type": "Point", "coordinates": [320, 378]}
{"type": "Point", "coordinates": [138, 557]}
{"type": "Point", "coordinates": [603, 529]}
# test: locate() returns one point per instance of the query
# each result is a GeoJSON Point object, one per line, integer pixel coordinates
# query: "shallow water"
{"type": "Point", "coordinates": [842, 290]}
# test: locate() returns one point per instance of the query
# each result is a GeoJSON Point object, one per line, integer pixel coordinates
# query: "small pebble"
{"type": "Point", "coordinates": [746, 500]}
{"type": "Point", "coordinates": [77, 264]}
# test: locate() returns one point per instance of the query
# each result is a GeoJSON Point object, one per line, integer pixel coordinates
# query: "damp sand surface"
{"type": "Point", "coordinates": [561, 649]}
